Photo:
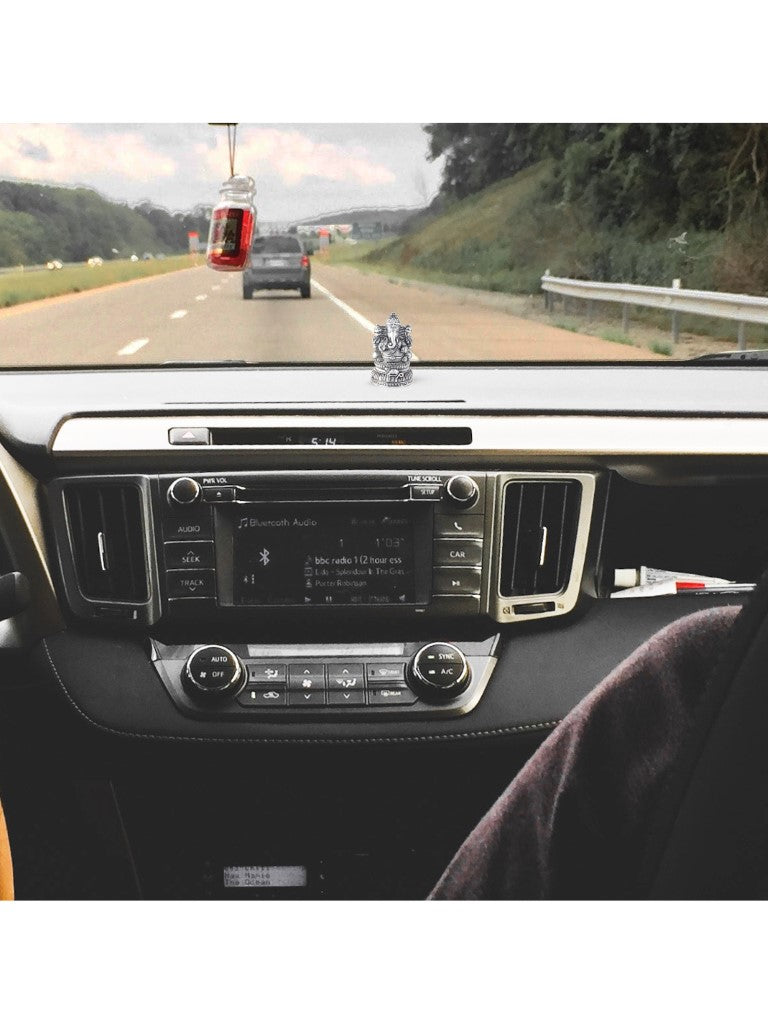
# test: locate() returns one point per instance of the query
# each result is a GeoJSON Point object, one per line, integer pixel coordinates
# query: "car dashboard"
{"type": "Point", "coordinates": [241, 574]}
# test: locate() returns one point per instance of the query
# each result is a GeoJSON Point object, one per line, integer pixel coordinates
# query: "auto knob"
{"type": "Point", "coordinates": [212, 672]}
{"type": "Point", "coordinates": [439, 672]}
{"type": "Point", "coordinates": [184, 491]}
{"type": "Point", "coordinates": [462, 491]}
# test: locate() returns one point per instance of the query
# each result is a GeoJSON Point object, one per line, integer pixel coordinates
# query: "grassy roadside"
{"type": "Point", "coordinates": [29, 286]}
{"type": "Point", "coordinates": [648, 328]}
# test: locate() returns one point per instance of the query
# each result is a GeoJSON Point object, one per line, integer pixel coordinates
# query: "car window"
{"type": "Point", "coordinates": [495, 242]}
{"type": "Point", "coordinates": [277, 243]}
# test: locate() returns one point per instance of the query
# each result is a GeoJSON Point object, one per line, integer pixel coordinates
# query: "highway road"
{"type": "Point", "coordinates": [200, 314]}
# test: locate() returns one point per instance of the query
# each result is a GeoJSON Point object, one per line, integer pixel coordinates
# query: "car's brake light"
{"type": "Point", "coordinates": [305, 260]}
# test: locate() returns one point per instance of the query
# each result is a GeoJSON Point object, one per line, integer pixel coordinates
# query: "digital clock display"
{"type": "Point", "coordinates": [325, 554]}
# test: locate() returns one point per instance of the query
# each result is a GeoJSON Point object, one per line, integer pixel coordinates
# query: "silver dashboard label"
{"type": "Point", "coordinates": [265, 876]}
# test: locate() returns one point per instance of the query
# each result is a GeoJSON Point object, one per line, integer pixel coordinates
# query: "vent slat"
{"type": "Point", "coordinates": [530, 507]}
{"type": "Point", "coordinates": [115, 511]}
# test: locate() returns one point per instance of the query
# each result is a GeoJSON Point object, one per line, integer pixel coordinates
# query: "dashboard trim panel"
{"type": "Point", "coordinates": [515, 435]}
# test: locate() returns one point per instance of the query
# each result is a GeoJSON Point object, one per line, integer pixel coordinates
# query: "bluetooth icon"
{"type": "Point", "coordinates": [264, 556]}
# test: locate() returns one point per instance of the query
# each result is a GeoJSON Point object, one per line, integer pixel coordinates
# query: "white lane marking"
{"type": "Point", "coordinates": [200, 298]}
{"type": "Point", "coordinates": [133, 346]}
{"type": "Point", "coordinates": [177, 314]}
{"type": "Point", "coordinates": [349, 311]}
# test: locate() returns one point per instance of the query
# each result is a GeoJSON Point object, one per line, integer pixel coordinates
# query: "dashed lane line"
{"type": "Point", "coordinates": [177, 314]}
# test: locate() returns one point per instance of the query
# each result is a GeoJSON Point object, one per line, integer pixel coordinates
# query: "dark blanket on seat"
{"type": "Point", "coordinates": [572, 824]}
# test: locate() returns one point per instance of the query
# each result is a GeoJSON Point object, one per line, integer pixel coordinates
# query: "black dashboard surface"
{"type": "Point", "coordinates": [542, 673]}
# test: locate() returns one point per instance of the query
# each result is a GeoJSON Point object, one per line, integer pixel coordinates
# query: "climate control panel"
{"type": "Point", "coordinates": [427, 679]}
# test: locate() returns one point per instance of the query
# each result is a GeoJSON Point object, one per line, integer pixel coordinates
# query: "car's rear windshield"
{"type": "Point", "coordinates": [276, 243]}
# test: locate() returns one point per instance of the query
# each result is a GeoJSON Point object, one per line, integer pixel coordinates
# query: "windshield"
{"type": "Point", "coordinates": [127, 244]}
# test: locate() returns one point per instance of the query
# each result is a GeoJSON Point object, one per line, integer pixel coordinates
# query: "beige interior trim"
{"type": "Point", "coordinates": [526, 435]}
{"type": "Point", "coordinates": [6, 866]}
{"type": "Point", "coordinates": [23, 534]}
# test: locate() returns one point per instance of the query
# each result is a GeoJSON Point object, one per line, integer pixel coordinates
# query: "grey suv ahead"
{"type": "Point", "coordinates": [277, 261]}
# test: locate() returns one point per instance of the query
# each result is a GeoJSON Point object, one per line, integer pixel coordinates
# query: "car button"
{"type": "Point", "coordinates": [308, 670]}
{"type": "Point", "coordinates": [265, 672]}
{"type": "Point", "coordinates": [336, 682]}
{"type": "Point", "coordinates": [346, 698]}
{"type": "Point", "coordinates": [385, 673]}
{"type": "Point", "coordinates": [218, 494]}
{"type": "Point", "coordinates": [426, 492]}
{"type": "Point", "coordinates": [458, 552]}
{"type": "Point", "coordinates": [459, 525]}
{"type": "Point", "coordinates": [251, 698]}
{"type": "Point", "coordinates": [306, 684]}
{"type": "Point", "coordinates": [190, 583]}
{"type": "Point", "coordinates": [306, 699]}
{"type": "Point", "coordinates": [347, 676]}
{"type": "Point", "coordinates": [458, 580]}
{"type": "Point", "coordinates": [382, 695]}
{"type": "Point", "coordinates": [189, 435]}
{"type": "Point", "coordinates": [195, 555]}
{"type": "Point", "coordinates": [195, 526]}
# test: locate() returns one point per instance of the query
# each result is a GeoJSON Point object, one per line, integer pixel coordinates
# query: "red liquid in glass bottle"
{"type": "Point", "coordinates": [232, 220]}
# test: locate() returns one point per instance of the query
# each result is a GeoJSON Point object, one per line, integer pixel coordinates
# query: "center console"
{"type": "Point", "coordinates": [217, 570]}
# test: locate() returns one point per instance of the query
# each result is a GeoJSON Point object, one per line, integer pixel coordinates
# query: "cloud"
{"type": "Point", "coordinates": [294, 156]}
{"type": "Point", "coordinates": [68, 155]}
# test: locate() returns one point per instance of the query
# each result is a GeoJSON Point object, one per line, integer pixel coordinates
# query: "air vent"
{"type": "Point", "coordinates": [106, 527]}
{"type": "Point", "coordinates": [541, 518]}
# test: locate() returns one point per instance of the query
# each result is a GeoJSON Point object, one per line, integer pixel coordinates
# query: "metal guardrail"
{"type": "Point", "coordinates": [742, 309]}
{"type": "Point", "coordinates": [20, 270]}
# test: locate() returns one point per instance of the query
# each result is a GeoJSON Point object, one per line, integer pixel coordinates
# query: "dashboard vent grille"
{"type": "Point", "coordinates": [106, 527]}
{"type": "Point", "coordinates": [541, 518]}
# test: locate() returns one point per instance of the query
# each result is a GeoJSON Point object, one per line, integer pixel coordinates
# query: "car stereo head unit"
{"type": "Point", "coordinates": [173, 547]}
{"type": "Point", "coordinates": [411, 541]}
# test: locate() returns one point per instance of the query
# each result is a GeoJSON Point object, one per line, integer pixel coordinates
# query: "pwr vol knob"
{"type": "Point", "coordinates": [212, 672]}
{"type": "Point", "coordinates": [184, 491]}
{"type": "Point", "coordinates": [439, 672]}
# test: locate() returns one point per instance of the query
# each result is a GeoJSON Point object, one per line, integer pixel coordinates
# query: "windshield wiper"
{"type": "Point", "coordinates": [752, 355]}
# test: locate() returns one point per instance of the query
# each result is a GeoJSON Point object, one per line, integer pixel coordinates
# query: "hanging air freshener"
{"type": "Point", "coordinates": [232, 219]}
{"type": "Point", "coordinates": [229, 239]}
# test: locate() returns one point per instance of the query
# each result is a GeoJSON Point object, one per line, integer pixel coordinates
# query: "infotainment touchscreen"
{"type": "Point", "coordinates": [329, 554]}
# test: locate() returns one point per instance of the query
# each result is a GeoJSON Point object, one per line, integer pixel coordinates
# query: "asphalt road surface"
{"type": "Point", "coordinates": [200, 314]}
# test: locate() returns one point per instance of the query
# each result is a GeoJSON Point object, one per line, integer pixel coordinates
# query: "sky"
{"type": "Point", "coordinates": [301, 170]}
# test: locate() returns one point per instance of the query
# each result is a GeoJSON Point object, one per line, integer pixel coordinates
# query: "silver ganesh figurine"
{"type": "Point", "coordinates": [392, 343]}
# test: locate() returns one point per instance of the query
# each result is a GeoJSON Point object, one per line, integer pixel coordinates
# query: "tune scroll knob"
{"type": "Point", "coordinates": [212, 672]}
{"type": "Point", "coordinates": [439, 672]}
{"type": "Point", "coordinates": [462, 491]}
{"type": "Point", "coordinates": [184, 491]}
